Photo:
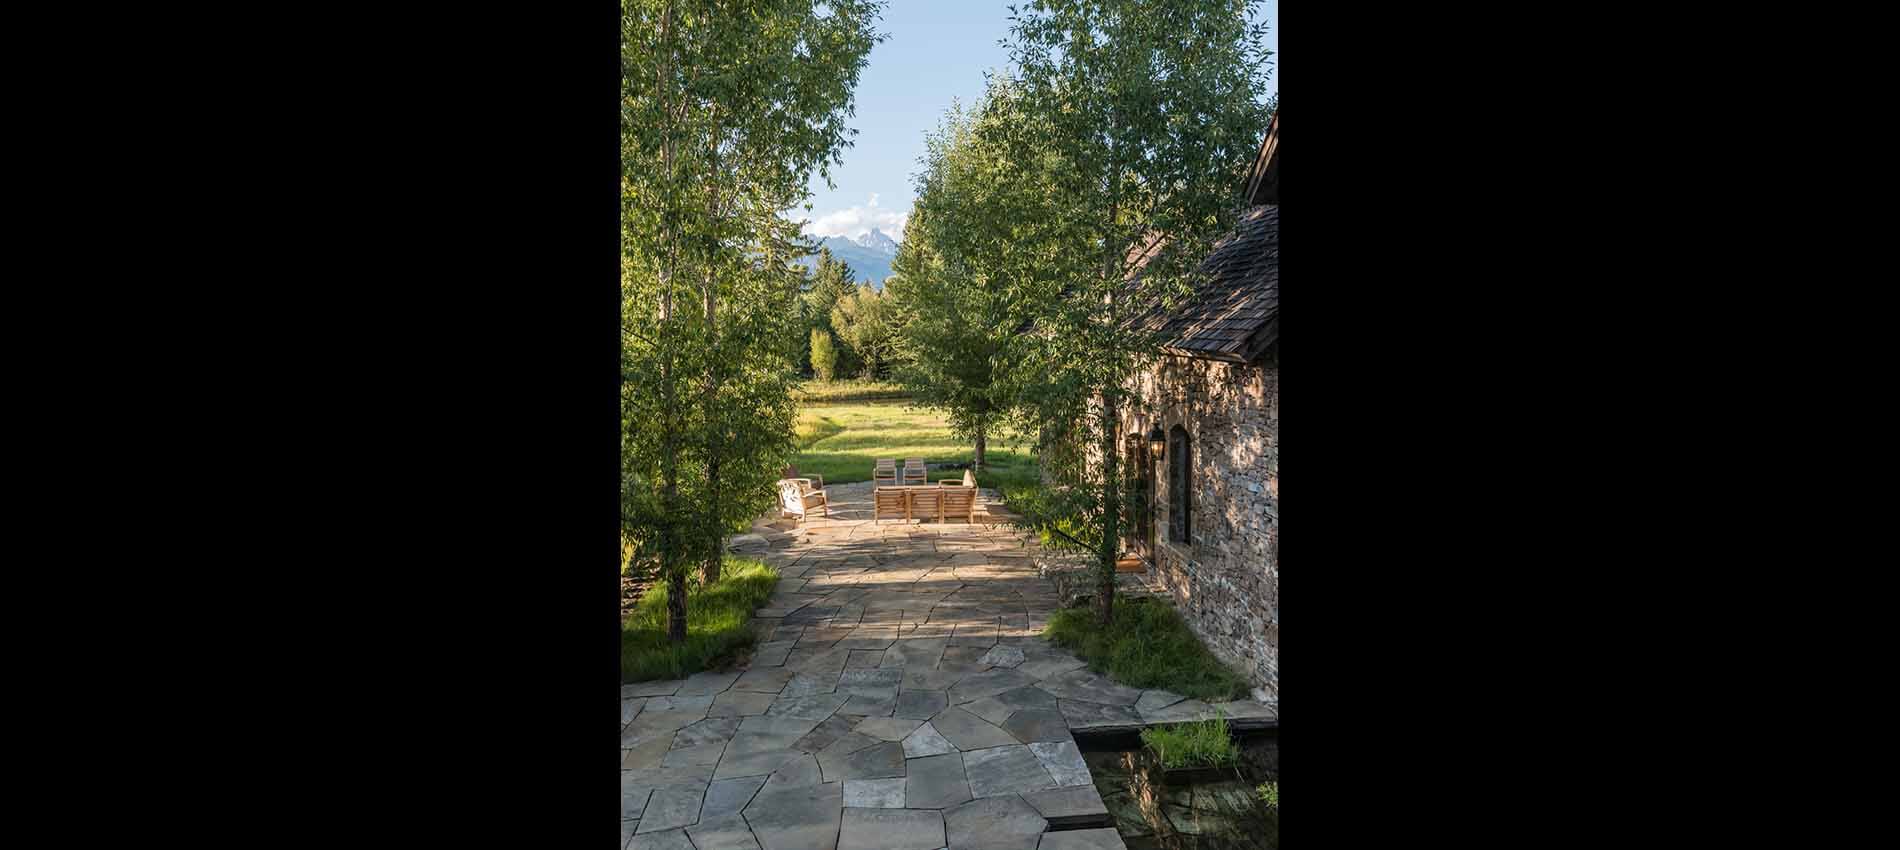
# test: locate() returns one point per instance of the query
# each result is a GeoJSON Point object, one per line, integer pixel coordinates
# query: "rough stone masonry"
{"type": "Point", "coordinates": [1225, 579]}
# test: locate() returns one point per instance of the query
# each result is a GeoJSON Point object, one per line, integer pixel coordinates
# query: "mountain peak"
{"type": "Point", "coordinates": [877, 241]}
{"type": "Point", "coordinates": [869, 256]}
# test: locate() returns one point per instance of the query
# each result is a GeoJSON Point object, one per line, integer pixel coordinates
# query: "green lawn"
{"type": "Point", "coordinates": [716, 624]}
{"type": "Point", "coordinates": [1147, 647]}
{"type": "Point", "coordinates": [851, 389]}
{"type": "Point", "coordinates": [842, 442]}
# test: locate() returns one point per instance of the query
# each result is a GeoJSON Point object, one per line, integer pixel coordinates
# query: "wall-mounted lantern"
{"type": "Point", "coordinates": [1157, 441]}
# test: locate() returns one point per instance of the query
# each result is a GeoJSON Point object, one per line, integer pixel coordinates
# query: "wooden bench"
{"type": "Point", "coordinates": [890, 503]}
{"type": "Point", "coordinates": [926, 502]}
{"type": "Point", "coordinates": [951, 497]}
{"type": "Point", "coordinates": [958, 500]}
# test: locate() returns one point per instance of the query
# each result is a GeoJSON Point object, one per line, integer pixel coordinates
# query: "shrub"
{"type": "Point", "coordinates": [824, 356]}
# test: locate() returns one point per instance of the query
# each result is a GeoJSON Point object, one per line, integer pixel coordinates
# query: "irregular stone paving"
{"type": "Point", "coordinates": [900, 697]}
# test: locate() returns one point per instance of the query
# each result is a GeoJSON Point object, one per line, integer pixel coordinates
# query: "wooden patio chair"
{"type": "Point", "coordinates": [885, 473]}
{"type": "Point", "coordinates": [791, 471]}
{"type": "Point", "coordinates": [890, 503]}
{"type": "Point", "coordinates": [914, 471]}
{"type": "Point", "coordinates": [797, 497]}
{"type": "Point", "coordinates": [957, 500]}
{"type": "Point", "coordinates": [926, 503]}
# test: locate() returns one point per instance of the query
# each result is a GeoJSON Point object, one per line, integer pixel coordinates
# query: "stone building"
{"type": "Point", "coordinates": [1206, 449]}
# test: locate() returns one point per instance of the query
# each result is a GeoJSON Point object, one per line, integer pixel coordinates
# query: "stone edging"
{"type": "Point", "coordinates": [1246, 724]}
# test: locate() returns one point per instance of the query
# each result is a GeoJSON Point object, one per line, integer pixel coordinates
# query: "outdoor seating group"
{"type": "Point", "coordinates": [916, 498]}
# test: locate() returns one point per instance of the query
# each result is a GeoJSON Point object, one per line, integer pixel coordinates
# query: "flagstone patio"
{"type": "Point", "coordinates": [900, 699]}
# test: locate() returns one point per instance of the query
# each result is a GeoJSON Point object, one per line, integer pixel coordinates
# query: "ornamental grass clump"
{"type": "Point", "coordinates": [1148, 646]}
{"type": "Point", "coordinates": [1203, 743]}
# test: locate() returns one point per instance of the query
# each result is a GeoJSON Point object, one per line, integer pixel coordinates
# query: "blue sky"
{"type": "Point", "coordinates": [937, 52]}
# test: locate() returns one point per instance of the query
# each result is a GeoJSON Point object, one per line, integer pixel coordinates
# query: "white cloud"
{"type": "Point", "coordinates": [856, 221]}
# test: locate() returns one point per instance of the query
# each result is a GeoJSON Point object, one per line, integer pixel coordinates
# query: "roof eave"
{"type": "Point", "coordinates": [1263, 184]}
{"type": "Point", "coordinates": [1204, 354]}
{"type": "Point", "coordinates": [1262, 339]}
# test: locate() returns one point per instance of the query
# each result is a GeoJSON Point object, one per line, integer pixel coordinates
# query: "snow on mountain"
{"type": "Point", "coordinates": [877, 241]}
{"type": "Point", "coordinates": [869, 256]}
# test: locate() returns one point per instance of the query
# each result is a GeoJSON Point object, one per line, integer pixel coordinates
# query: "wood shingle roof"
{"type": "Point", "coordinates": [1234, 313]}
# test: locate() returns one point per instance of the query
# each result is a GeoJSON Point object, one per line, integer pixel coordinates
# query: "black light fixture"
{"type": "Point", "coordinates": [1157, 440]}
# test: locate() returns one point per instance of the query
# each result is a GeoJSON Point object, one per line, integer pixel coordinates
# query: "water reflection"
{"type": "Point", "coordinates": [1189, 810]}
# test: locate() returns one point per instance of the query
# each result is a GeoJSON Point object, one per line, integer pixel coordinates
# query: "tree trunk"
{"type": "Point", "coordinates": [1045, 444]}
{"type": "Point", "coordinates": [715, 508]}
{"type": "Point", "coordinates": [717, 555]}
{"type": "Point", "coordinates": [1111, 511]}
{"type": "Point", "coordinates": [1111, 424]}
{"type": "Point", "coordinates": [676, 605]}
{"type": "Point", "coordinates": [977, 463]}
{"type": "Point", "coordinates": [715, 442]}
{"type": "Point", "coordinates": [672, 558]}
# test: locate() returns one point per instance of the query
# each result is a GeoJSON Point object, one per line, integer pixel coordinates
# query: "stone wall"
{"type": "Point", "coordinates": [1226, 579]}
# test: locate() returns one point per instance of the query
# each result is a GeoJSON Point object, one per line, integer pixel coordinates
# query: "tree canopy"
{"type": "Point", "coordinates": [726, 110]}
{"type": "Point", "coordinates": [1141, 117]}
{"type": "Point", "coordinates": [865, 321]}
{"type": "Point", "coordinates": [960, 273]}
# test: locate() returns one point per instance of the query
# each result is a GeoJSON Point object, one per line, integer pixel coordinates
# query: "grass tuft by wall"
{"type": "Point", "coordinates": [1148, 646]}
{"type": "Point", "coordinates": [1203, 743]}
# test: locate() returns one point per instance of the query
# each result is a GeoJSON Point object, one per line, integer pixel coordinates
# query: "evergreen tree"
{"type": "Point", "coordinates": [832, 280]}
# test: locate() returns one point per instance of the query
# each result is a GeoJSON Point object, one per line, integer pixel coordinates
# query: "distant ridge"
{"type": "Point", "coordinates": [869, 256]}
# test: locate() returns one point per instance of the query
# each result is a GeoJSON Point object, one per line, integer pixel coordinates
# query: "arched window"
{"type": "Point", "coordinates": [1180, 485]}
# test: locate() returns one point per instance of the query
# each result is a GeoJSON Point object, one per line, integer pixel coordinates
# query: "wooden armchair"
{"type": "Point", "coordinates": [914, 471]}
{"type": "Point", "coordinates": [890, 503]}
{"type": "Point", "coordinates": [797, 497]}
{"type": "Point", "coordinates": [885, 473]}
{"type": "Point", "coordinates": [791, 471]}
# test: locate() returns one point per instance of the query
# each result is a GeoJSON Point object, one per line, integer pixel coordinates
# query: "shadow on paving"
{"type": "Point", "coordinates": [900, 699]}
